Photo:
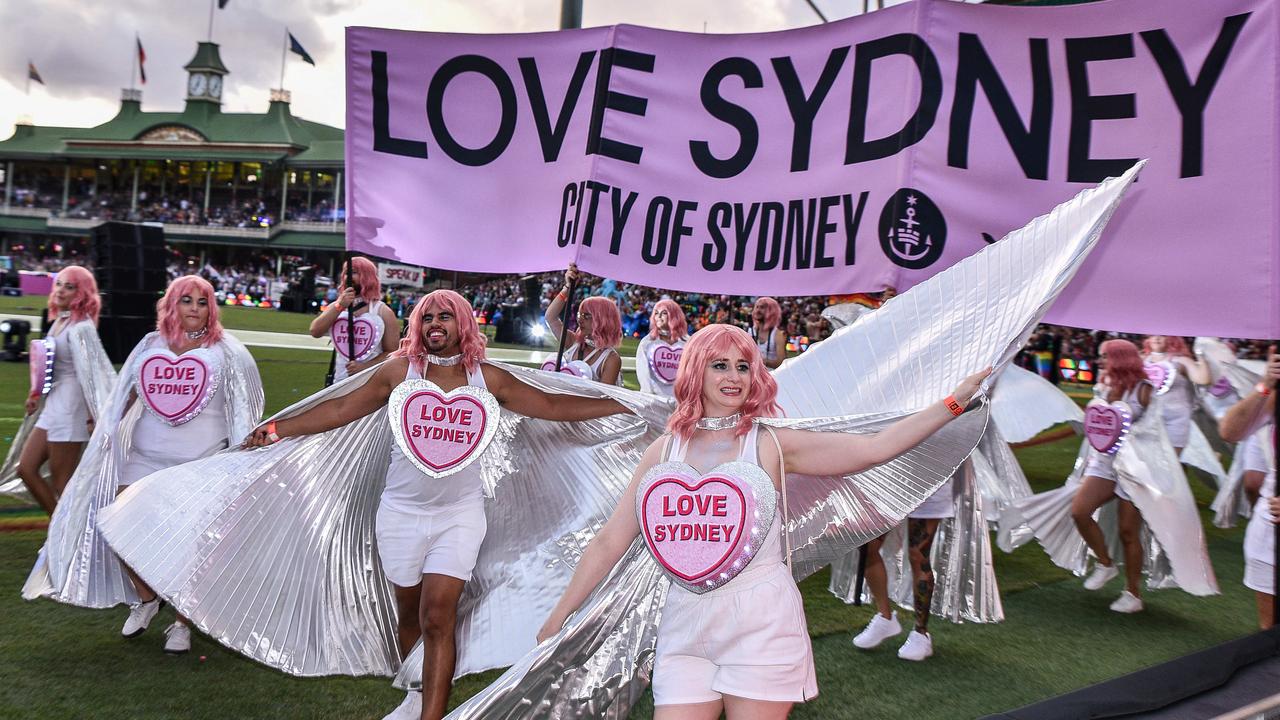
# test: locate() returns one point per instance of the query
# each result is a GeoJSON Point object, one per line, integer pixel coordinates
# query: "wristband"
{"type": "Point", "coordinates": [562, 295]}
{"type": "Point", "coordinates": [1262, 389]}
{"type": "Point", "coordinates": [953, 406]}
{"type": "Point", "coordinates": [271, 432]}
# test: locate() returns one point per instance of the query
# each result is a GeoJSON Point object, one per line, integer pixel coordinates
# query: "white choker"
{"type": "Point", "coordinates": [720, 423]}
{"type": "Point", "coordinates": [444, 361]}
{"type": "Point", "coordinates": [198, 333]}
{"type": "Point", "coordinates": [64, 314]}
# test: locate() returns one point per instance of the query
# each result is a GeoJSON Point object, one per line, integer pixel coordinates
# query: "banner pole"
{"type": "Point", "coordinates": [564, 322]}
{"type": "Point", "coordinates": [1275, 528]}
{"type": "Point", "coordinates": [351, 311]}
{"type": "Point", "coordinates": [862, 575]}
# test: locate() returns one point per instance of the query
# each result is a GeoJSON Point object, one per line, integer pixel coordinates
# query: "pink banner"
{"type": "Point", "coordinates": [838, 158]}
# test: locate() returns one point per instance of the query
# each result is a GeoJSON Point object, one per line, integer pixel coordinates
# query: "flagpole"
{"type": "Point", "coordinates": [133, 66]}
{"type": "Point", "coordinates": [211, 20]}
{"type": "Point", "coordinates": [284, 54]}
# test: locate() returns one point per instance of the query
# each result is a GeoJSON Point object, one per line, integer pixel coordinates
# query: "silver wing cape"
{"type": "Point", "coordinates": [1230, 502]}
{"type": "Point", "coordinates": [271, 551]}
{"type": "Point", "coordinates": [1023, 404]}
{"type": "Point", "coordinates": [1148, 470]}
{"type": "Point", "coordinates": [97, 378]}
{"type": "Point", "coordinates": [76, 566]}
{"type": "Point", "coordinates": [906, 355]}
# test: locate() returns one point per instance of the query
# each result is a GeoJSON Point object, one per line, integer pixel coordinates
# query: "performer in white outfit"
{"type": "Point", "coordinates": [187, 391]}
{"type": "Point", "coordinates": [593, 348]}
{"type": "Point", "coordinates": [430, 530]}
{"type": "Point", "coordinates": [766, 330]}
{"type": "Point", "coordinates": [1240, 422]}
{"type": "Point", "coordinates": [742, 646]}
{"type": "Point", "coordinates": [1169, 352]}
{"type": "Point", "coordinates": [60, 415]}
{"type": "Point", "coordinates": [377, 329]}
{"type": "Point", "coordinates": [658, 354]}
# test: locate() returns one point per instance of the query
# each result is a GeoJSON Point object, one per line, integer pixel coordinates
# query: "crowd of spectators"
{"type": "Point", "coordinates": [152, 206]}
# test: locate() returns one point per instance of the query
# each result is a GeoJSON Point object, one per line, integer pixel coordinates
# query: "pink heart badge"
{"type": "Point", "coordinates": [40, 356]}
{"type": "Point", "coordinates": [442, 433]}
{"type": "Point", "coordinates": [1161, 374]}
{"type": "Point", "coordinates": [664, 361]}
{"type": "Point", "coordinates": [1221, 388]}
{"type": "Point", "coordinates": [704, 529]}
{"type": "Point", "coordinates": [576, 368]}
{"type": "Point", "coordinates": [1106, 425]}
{"type": "Point", "coordinates": [177, 388]}
{"type": "Point", "coordinates": [368, 336]}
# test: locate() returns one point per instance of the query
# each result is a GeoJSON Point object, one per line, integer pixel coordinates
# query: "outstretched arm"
{"type": "Point", "coordinates": [1197, 370]}
{"type": "Point", "coordinates": [604, 550]}
{"type": "Point", "coordinates": [338, 411]}
{"type": "Point", "coordinates": [831, 453]}
{"type": "Point", "coordinates": [527, 400]}
{"type": "Point", "coordinates": [1250, 413]}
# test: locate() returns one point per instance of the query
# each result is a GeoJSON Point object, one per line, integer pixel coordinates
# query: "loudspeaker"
{"type": "Point", "coordinates": [129, 265]}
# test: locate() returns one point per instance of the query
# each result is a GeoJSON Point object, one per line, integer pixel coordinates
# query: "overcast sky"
{"type": "Point", "coordinates": [84, 50]}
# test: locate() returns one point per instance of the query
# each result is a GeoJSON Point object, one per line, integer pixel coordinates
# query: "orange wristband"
{"type": "Point", "coordinates": [952, 405]}
{"type": "Point", "coordinates": [271, 432]}
{"type": "Point", "coordinates": [1262, 389]}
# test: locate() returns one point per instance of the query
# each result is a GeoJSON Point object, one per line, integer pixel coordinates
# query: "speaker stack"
{"type": "Point", "coordinates": [129, 264]}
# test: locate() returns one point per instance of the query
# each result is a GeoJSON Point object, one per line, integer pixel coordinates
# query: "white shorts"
{"type": "Point", "coordinates": [65, 416]}
{"type": "Point", "coordinates": [1259, 575]}
{"type": "Point", "coordinates": [940, 505]}
{"type": "Point", "coordinates": [751, 642]}
{"type": "Point", "coordinates": [442, 541]}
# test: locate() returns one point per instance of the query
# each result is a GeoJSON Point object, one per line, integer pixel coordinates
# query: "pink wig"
{"type": "Point", "coordinates": [366, 277]}
{"type": "Point", "coordinates": [86, 304]}
{"type": "Point", "coordinates": [677, 324]}
{"type": "Point", "coordinates": [169, 318]}
{"type": "Point", "coordinates": [706, 345]}
{"type": "Point", "coordinates": [1124, 365]}
{"type": "Point", "coordinates": [471, 340]}
{"type": "Point", "coordinates": [1173, 345]}
{"type": "Point", "coordinates": [772, 312]}
{"type": "Point", "coordinates": [606, 321]}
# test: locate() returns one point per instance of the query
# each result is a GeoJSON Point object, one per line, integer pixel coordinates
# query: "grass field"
{"type": "Point", "coordinates": [63, 662]}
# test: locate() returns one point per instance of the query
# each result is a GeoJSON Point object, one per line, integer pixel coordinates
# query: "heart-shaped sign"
{"type": "Point", "coordinates": [1161, 374]}
{"type": "Point", "coordinates": [576, 368]}
{"type": "Point", "coordinates": [40, 356]}
{"type": "Point", "coordinates": [664, 361]}
{"type": "Point", "coordinates": [1106, 425]}
{"type": "Point", "coordinates": [442, 432]}
{"type": "Point", "coordinates": [705, 529]}
{"type": "Point", "coordinates": [177, 388]}
{"type": "Point", "coordinates": [368, 332]}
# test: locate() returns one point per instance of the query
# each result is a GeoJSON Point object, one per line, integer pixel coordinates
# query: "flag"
{"type": "Point", "coordinates": [32, 74]}
{"type": "Point", "coordinates": [142, 59]}
{"type": "Point", "coordinates": [296, 47]}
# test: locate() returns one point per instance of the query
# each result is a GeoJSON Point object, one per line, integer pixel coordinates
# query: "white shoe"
{"type": "Point", "coordinates": [410, 709]}
{"type": "Point", "coordinates": [880, 628]}
{"type": "Point", "coordinates": [917, 647]}
{"type": "Point", "coordinates": [177, 639]}
{"type": "Point", "coordinates": [1127, 603]}
{"type": "Point", "coordinates": [140, 615]}
{"type": "Point", "coordinates": [1101, 575]}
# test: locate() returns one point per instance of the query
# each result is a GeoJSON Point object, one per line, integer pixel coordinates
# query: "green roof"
{"type": "Point", "coordinates": [207, 58]}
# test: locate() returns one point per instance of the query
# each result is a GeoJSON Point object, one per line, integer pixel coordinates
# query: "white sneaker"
{"type": "Point", "coordinates": [410, 709]}
{"type": "Point", "coordinates": [880, 628]}
{"type": "Point", "coordinates": [1127, 603]}
{"type": "Point", "coordinates": [917, 647]}
{"type": "Point", "coordinates": [177, 639]}
{"type": "Point", "coordinates": [1101, 575]}
{"type": "Point", "coordinates": [140, 615]}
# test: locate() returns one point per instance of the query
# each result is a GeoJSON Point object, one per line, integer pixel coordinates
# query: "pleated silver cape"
{"type": "Point", "coordinates": [96, 377]}
{"type": "Point", "coordinates": [1230, 503]}
{"type": "Point", "coordinates": [911, 352]}
{"type": "Point", "coordinates": [75, 565]}
{"type": "Point", "coordinates": [1148, 470]}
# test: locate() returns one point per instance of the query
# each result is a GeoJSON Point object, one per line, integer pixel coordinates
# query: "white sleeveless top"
{"type": "Point", "coordinates": [594, 360]}
{"type": "Point", "coordinates": [408, 489]}
{"type": "Point", "coordinates": [1100, 462]}
{"type": "Point", "coordinates": [768, 349]}
{"type": "Point", "coordinates": [649, 380]}
{"type": "Point", "coordinates": [374, 314]}
{"type": "Point", "coordinates": [767, 560]}
{"type": "Point", "coordinates": [199, 437]}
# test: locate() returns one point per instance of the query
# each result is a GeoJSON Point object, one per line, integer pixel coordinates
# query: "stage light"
{"type": "Point", "coordinates": [537, 331]}
{"type": "Point", "coordinates": [15, 334]}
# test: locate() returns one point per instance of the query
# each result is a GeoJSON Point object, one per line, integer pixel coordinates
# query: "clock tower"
{"type": "Point", "coordinates": [205, 73]}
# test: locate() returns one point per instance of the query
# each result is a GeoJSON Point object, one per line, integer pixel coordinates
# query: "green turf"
{"type": "Point", "coordinates": [63, 662]}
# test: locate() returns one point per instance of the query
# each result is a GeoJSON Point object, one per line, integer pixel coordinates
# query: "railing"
{"type": "Point", "coordinates": [299, 226]}
{"type": "Point", "coordinates": [252, 233]}
{"type": "Point", "coordinates": [75, 223]}
{"type": "Point", "coordinates": [257, 233]}
{"type": "Point", "coordinates": [25, 211]}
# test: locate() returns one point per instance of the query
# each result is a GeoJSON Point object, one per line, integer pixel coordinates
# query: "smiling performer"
{"type": "Point", "coordinates": [186, 391]}
{"type": "Point", "coordinates": [766, 330]}
{"type": "Point", "coordinates": [376, 327]}
{"type": "Point", "coordinates": [71, 381]}
{"type": "Point", "coordinates": [594, 350]}
{"type": "Point", "coordinates": [427, 422]}
{"type": "Point", "coordinates": [1126, 456]}
{"type": "Point", "coordinates": [658, 354]}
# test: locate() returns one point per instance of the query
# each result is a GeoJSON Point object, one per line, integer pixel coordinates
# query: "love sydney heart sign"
{"type": "Point", "coordinates": [40, 356]}
{"type": "Point", "coordinates": [368, 333]}
{"type": "Point", "coordinates": [576, 368]}
{"type": "Point", "coordinates": [664, 361]}
{"type": "Point", "coordinates": [1161, 374]}
{"type": "Point", "coordinates": [1106, 425]}
{"type": "Point", "coordinates": [705, 529]}
{"type": "Point", "coordinates": [177, 388]}
{"type": "Point", "coordinates": [442, 432]}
